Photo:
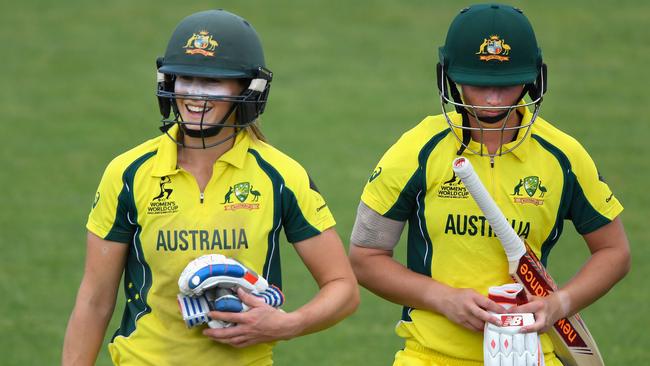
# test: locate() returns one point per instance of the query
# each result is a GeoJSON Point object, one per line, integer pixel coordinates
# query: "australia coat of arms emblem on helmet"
{"type": "Point", "coordinates": [494, 48]}
{"type": "Point", "coordinates": [201, 43]}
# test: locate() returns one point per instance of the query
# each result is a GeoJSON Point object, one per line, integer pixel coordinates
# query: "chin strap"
{"type": "Point", "coordinates": [210, 131]}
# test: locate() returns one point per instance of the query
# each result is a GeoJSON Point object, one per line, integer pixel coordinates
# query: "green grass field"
{"type": "Point", "coordinates": [77, 88]}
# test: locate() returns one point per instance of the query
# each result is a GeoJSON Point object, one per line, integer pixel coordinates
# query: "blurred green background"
{"type": "Point", "coordinates": [77, 88]}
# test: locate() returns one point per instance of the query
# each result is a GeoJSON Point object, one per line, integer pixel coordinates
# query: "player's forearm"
{"type": "Point", "coordinates": [608, 264]}
{"type": "Point", "coordinates": [336, 300]}
{"type": "Point", "coordinates": [599, 274]}
{"type": "Point", "coordinates": [87, 325]}
{"type": "Point", "coordinates": [389, 279]}
{"type": "Point", "coordinates": [84, 335]}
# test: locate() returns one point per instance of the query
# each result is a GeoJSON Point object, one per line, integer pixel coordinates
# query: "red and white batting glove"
{"type": "Point", "coordinates": [505, 345]}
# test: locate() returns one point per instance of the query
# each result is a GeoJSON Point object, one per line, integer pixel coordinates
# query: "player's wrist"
{"type": "Point", "coordinates": [440, 296]}
{"type": "Point", "coordinates": [293, 325]}
{"type": "Point", "coordinates": [562, 304]}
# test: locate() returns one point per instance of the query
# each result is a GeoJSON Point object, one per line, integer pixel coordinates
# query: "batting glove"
{"type": "Point", "coordinates": [214, 270]}
{"type": "Point", "coordinates": [195, 309]}
{"type": "Point", "coordinates": [505, 345]}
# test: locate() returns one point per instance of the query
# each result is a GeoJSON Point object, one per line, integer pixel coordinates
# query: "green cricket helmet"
{"type": "Point", "coordinates": [490, 45]}
{"type": "Point", "coordinates": [220, 45]}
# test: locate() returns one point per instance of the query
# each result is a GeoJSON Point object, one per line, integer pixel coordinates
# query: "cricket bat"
{"type": "Point", "coordinates": [571, 339]}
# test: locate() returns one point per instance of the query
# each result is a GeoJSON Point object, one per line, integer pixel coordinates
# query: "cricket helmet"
{"type": "Point", "coordinates": [220, 45]}
{"type": "Point", "coordinates": [490, 45]}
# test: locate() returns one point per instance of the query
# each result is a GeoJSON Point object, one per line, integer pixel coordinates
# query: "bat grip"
{"type": "Point", "coordinates": [512, 244]}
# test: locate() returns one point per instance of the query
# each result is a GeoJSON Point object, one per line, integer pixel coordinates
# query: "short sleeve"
{"type": "Point", "coordinates": [593, 203]}
{"type": "Point", "coordinates": [304, 211]}
{"type": "Point", "coordinates": [393, 186]}
{"type": "Point", "coordinates": [109, 216]}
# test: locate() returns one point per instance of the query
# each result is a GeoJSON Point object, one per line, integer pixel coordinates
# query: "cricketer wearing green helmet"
{"type": "Point", "coordinates": [491, 45]}
{"type": "Point", "coordinates": [212, 44]}
{"type": "Point", "coordinates": [455, 286]}
{"type": "Point", "coordinates": [206, 201]}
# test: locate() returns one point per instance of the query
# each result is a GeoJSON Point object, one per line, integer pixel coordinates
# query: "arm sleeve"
{"type": "Point", "coordinates": [109, 217]}
{"type": "Point", "coordinates": [304, 211]}
{"type": "Point", "coordinates": [372, 230]}
{"type": "Point", "coordinates": [593, 203]}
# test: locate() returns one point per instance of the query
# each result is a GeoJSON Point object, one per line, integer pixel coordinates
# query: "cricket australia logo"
{"type": "Point", "coordinates": [242, 191]}
{"type": "Point", "coordinates": [531, 185]}
{"type": "Point", "coordinates": [494, 48]}
{"type": "Point", "coordinates": [201, 43]}
{"type": "Point", "coordinates": [453, 188]}
{"type": "Point", "coordinates": [161, 203]}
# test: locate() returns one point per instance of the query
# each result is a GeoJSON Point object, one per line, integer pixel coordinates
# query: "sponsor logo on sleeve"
{"type": "Point", "coordinates": [96, 200]}
{"type": "Point", "coordinates": [374, 174]}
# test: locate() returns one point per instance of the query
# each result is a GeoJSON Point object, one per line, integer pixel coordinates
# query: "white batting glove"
{"type": "Point", "coordinates": [214, 270]}
{"type": "Point", "coordinates": [505, 345]}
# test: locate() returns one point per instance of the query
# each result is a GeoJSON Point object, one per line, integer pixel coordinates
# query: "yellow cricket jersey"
{"type": "Point", "coordinates": [145, 201]}
{"type": "Point", "coordinates": [548, 179]}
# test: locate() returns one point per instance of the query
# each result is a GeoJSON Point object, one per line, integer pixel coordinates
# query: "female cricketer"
{"type": "Point", "coordinates": [538, 176]}
{"type": "Point", "coordinates": [209, 184]}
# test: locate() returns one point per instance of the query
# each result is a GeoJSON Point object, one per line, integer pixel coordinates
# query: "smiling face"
{"type": "Point", "coordinates": [198, 112]}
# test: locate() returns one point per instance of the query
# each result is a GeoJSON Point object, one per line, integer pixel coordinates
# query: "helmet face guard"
{"type": "Point", "coordinates": [247, 107]}
{"type": "Point", "coordinates": [212, 44]}
{"type": "Point", "coordinates": [449, 94]}
{"type": "Point", "coordinates": [490, 45]}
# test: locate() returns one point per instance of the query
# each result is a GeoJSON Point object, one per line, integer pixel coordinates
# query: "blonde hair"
{"type": "Point", "coordinates": [255, 132]}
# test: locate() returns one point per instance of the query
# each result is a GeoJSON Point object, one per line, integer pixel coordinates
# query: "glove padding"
{"type": "Point", "coordinates": [214, 270]}
{"type": "Point", "coordinates": [195, 309]}
{"type": "Point", "coordinates": [505, 345]}
{"type": "Point", "coordinates": [210, 283]}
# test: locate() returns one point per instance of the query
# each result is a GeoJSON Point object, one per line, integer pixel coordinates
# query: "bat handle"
{"type": "Point", "coordinates": [512, 267]}
{"type": "Point", "coordinates": [512, 244]}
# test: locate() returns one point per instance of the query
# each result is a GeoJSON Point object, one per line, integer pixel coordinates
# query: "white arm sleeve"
{"type": "Point", "coordinates": [372, 230]}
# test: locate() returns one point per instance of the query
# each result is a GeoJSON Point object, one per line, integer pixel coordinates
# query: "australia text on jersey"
{"type": "Point", "coordinates": [183, 240]}
{"type": "Point", "coordinates": [473, 225]}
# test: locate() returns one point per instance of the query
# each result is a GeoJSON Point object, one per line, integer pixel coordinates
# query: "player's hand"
{"type": "Point", "coordinates": [547, 311]}
{"type": "Point", "coordinates": [470, 309]}
{"type": "Point", "coordinates": [261, 324]}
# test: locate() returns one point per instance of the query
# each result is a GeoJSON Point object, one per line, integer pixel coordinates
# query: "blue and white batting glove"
{"type": "Point", "coordinates": [214, 270]}
{"type": "Point", "coordinates": [195, 309]}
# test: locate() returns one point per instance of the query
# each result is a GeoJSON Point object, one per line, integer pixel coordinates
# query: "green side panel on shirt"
{"type": "Point", "coordinates": [137, 274]}
{"type": "Point", "coordinates": [272, 269]}
{"type": "Point", "coordinates": [412, 201]}
{"type": "Point", "coordinates": [573, 204]}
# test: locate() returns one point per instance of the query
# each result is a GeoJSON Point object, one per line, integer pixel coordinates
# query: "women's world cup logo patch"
{"type": "Point", "coordinates": [494, 48]}
{"type": "Point", "coordinates": [201, 43]}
